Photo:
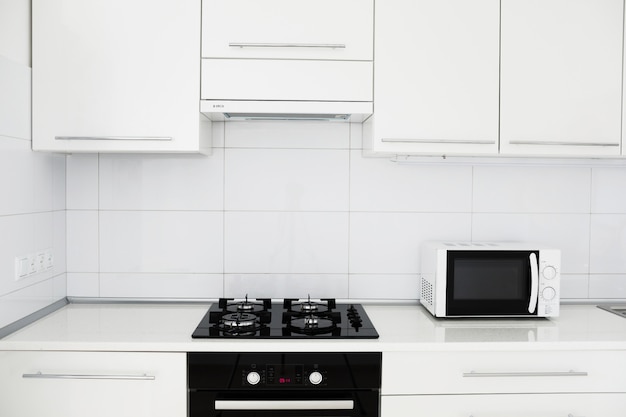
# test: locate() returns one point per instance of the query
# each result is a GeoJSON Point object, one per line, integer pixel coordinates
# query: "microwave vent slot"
{"type": "Point", "coordinates": [426, 292]}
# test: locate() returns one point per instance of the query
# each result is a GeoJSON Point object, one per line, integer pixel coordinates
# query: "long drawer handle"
{"type": "Point", "coordinates": [40, 375]}
{"type": "Point", "coordinates": [474, 374]}
{"type": "Point", "coordinates": [284, 405]}
{"type": "Point", "coordinates": [556, 143]}
{"type": "Point", "coordinates": [287, 45]}
{"type": "Point", "coordinates": [454, 141]}
{"type": "Point", "coordinates": [113, 138]}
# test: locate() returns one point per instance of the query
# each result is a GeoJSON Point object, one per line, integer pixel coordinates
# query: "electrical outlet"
{"type": "Point", "coordinates": [33, 263]}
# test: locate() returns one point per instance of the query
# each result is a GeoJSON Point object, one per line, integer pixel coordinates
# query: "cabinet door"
{"type": "Point", "coordinates": [435, 77]}
{"type": "Point", "coordinates": [116, 75]}
{"type": "Point", "coordinates": [288, 29]}
{"type": "Point", "coordinates": [561, 77]}
{"type": "Point", "coordinates": [503, 372]}
{"type": "Point", "coordinates": [94, 384]}
{"type": "Point", "coordinates": [523, 405]}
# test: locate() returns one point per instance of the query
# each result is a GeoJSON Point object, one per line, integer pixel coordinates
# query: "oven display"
{"type": "Point", "coordinates": [284, 374]}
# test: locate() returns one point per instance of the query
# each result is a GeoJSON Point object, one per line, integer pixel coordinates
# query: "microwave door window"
{"type": "Point", "coordinates": [491, 283]}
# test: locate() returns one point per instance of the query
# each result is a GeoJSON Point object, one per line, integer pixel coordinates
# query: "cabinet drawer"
{"type": "Point", "coordinates": [97, 384]}
{"type": "Point", "coordinates": [522, 405]}
{"type": "Point", "coordinates": [503, 372]}
{"type": "Point", "coordinates": [288, 29]}
{"type": "Point", "coordinates": [226, 79]}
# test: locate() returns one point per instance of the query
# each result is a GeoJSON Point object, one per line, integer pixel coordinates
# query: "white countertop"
{"type": "Point", "coordinates": [168, 328]}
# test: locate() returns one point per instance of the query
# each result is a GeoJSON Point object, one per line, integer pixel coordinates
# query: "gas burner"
{"type": "Point", "coordinates": [245, 305]}
{"type": "Point", "coordinates": [309, 306]}
{"type": "Point", "coordinates": [311, 325]}
{"type": "Point", "coordinates": [239, 320]}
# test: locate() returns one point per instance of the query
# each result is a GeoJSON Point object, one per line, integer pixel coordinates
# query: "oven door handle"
{"type": "Point", "coordinates": [534, 283]}
{"type": "Point", "coordinates": [284, 404]}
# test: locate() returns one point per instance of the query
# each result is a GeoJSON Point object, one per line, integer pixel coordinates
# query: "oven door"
{"type": "Point", "coordinates": [492, 283]}
{"type": "Point", "coordinates": [284, 403]}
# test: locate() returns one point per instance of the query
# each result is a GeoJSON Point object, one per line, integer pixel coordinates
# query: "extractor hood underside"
{"type": "Point", "coordinates": [233, 110]}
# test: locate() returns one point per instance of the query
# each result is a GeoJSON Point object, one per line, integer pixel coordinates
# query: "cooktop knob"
{"type": "Point", "coordinates": [315, 378]}
{"type": "Point", "coordinates": [253, 378]}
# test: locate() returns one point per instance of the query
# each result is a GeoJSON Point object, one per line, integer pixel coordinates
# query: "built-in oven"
{"type": "Point", "coordinates": [306, 384]}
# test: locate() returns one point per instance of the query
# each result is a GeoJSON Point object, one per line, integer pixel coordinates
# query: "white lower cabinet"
{"type": "Point", "coordinates": [564, 383]}
{"type": "Point", "coordinates": [94, 384]}
{"type": "Point", "coordinates": [507, 405]}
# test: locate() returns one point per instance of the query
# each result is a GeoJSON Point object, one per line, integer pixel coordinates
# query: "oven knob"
{"type": "Point", "coordinates": [548, 293]}
{"type": "Point", "coordinates": [253, 378]}
{"type": "Point", "coordinates": [315, 378]}
{"type": "Point", "coordinates": [549, 272]}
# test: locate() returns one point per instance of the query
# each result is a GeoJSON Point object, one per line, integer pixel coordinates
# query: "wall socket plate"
{"type": "Point", "coordinates": [33, 263]}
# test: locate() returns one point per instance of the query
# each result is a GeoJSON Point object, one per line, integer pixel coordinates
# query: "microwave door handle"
{"type": "Point", "coordinates": [534, 283]}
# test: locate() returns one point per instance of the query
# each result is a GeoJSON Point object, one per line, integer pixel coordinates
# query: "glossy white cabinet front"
{"type": "Point", "coordinates": [435, 77]}
{"type": "Point", "coordinates": [117, 76]}
{"type": "Point", "coordinates": [95, 384]}
{"type": "Point", "coordinates": [522, 405]}
{"type": "Point", "coordinates": [561, 77]}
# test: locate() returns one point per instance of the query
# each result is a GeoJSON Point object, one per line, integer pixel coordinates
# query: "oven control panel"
{"type": "Point", "coordinates": [284, 375]}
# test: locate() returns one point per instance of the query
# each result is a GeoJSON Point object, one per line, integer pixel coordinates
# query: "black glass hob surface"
{"type": "Point", "coordinates": [264, 318]}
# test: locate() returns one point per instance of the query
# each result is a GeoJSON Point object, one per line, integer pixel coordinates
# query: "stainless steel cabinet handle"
{"type": "Point", "coordinates": [284, 405]}
{"type": "Point", "coordinates": [40, 375]}
{"type": "Point", "coordinates": [286, 45]}
{"type": "Point", "coordinates": [456, 141]}
{"type": "Point", "coordinates": [556, 143]}
{"type": "Point", "coordinates": [473, 374]}
{"type": "Point", "coordinates": [112, 138]}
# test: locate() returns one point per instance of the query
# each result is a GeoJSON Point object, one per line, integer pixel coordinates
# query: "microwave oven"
{"type": "Point", "coordinates": [490, 279]}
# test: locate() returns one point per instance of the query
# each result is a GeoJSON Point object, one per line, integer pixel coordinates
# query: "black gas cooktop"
{"type": "Point", "coordinates": [264, 318]}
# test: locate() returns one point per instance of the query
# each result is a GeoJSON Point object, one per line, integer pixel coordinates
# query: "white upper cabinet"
{"type": "Point", "coordinates": [435, 77]}
{"type": "Point", "coordinates": [561, 77]}
{"type": "Point", "coordinates": [288, 29]}
{"type": "Point", "coordinates": [117, 76]}
{"type": "Point", "coordinates": [282, 58]}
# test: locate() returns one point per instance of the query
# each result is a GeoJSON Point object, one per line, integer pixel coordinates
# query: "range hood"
{"type": "Point", "coordinates": [235, 110]}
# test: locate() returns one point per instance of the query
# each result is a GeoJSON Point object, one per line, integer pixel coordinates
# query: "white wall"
{"type": "Point", "coordinates": [32, 185]}
{"type": "Point", "coordinates": [284, 209]}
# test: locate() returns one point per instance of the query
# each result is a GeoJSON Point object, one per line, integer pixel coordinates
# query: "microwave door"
{"type": "Point", "coordinates": [491, 283]}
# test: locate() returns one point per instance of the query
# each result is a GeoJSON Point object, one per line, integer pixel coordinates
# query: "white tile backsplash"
{"type": "Point", "coordinates": [287, 179]}
{"type": "Point", "coordinates": [384, 286]}
{"type": "Point", "coordinates": [161, 241]}
{"type": "Point", "coordinates": [161, 182]}
{"type": "Point", "coordinates": [390, 242]}
{"type": "Point", "coordinates": [82, 182]}
{"type": "Point", "coordinates": [83, 284]}
{"type": "Point", "coordinates": [608, 244]}
{"type": "Point", "coordinates": [377, 184]}
{"type": "Point", "coordinates": [540, 189]}
{"type": "Point", "coordinates": [608, 192]}
{"type": "Point", "coordinates": [284, 209]}
{"type": "Point", "coordinates": [286, 285]}
{"type": "Point", "coordinates": [567, 232]}
{"type": "Point", "coordinates": [286, 242]}
{"type": "Point", "coordinates": [181, 286]}
{"type": "Point", "coordinates": [82, 241]}
{"type": "Point", "coordinates": [607, 286]}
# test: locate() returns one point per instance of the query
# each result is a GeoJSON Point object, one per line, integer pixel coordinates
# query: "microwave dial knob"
{"type": "Point", "coordinates": [253, 378]}
{"type": "Point", "coordinates": [549, 272]}
{"type": "Point", "coordinates": [548, 293]}
{"type": "Point", "coordinates": [315, 378]}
